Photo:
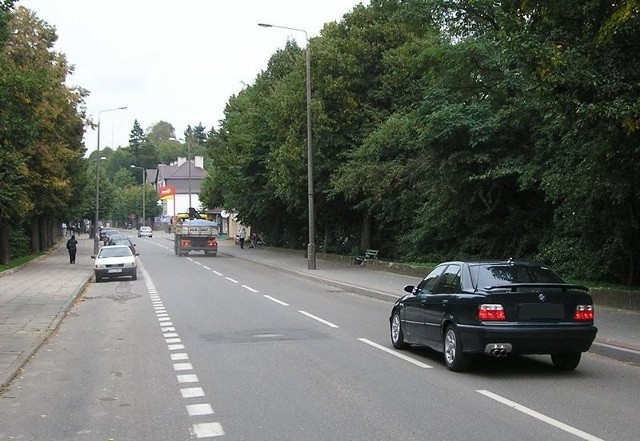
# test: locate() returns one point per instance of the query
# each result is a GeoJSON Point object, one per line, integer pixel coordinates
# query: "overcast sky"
{"type": "Point", "coordinates": [170, 60]}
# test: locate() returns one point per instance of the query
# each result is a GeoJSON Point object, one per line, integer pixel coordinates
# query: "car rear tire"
{"type": "Point", "coordinates": [566, 362]}
{"type": "Point", "coordinates": [397, 335]}
{"type": "Point", "coordinates": [454, 358]}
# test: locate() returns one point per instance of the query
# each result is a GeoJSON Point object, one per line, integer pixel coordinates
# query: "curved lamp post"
{"type": "Point", "coordinates": [96, 235]}
{"type": "Point", "coordinates": [311, 247]}
{"type": "Point", "coordinates": [144, 190]}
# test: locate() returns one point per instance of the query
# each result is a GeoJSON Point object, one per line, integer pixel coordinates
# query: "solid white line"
{"type": "Point", "coordinates": [249, 288]}
{"type": "Point", "coordinates": [231, 280]}
{"type": "Point", "coordinates": [395, 354]}
{"type": "Point", "coordinates": [539, 416]}
{"type": "Point", "coordinates": [331, 325]}
{"type": "Point", "coordinates": [273, 299]}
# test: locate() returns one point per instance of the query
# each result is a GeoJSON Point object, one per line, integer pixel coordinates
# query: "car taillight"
{"type": "Point", "coordinates": [491, 312]}
{"type": "Point", "coordinates": [584, 313]}
{"type": "Point", "coordinates": [212, 243]}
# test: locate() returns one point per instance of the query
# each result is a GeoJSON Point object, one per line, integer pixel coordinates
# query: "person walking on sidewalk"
{"type": "Point", "coordinates": [72, 247]}
{"type": "Point", "coordinates": [242, 236]}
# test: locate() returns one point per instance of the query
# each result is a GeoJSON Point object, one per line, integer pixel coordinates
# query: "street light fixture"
{"type": "Point", "coordinates": [96, 235]}
{"type": "Point", "coordinates": [144, 188]}
{"type": "Point", "coordinates": [311, 247]}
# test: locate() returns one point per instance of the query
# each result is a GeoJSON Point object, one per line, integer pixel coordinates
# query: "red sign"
{"type": "Point", "coordinates": [166, 192]}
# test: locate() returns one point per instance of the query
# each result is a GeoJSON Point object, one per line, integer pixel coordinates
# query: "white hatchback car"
{"type": "Point", "coordinates": [115, 261]}
{"type": "Point", "coordinates": [145, 231]}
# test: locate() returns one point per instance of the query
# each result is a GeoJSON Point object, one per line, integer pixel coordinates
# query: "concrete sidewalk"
{"type": "Point", "coordinates": [35, 298]}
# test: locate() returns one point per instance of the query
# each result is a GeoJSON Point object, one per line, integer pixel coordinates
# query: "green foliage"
{"type": "Point", "coordinates": [441, 129]}
{"type": "Point", "coordinates": [451, 129]}
{"type": "Point", "coordinates": [41, 128]}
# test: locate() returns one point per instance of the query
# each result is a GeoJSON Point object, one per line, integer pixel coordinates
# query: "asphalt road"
{"type": "Point", "coordinates": [222, 348]}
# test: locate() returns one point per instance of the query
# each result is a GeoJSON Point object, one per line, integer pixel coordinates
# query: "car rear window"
{"type": "Point", "coordinates": [115, 252]}
{"type": "Point", "coordinates": [492, 275]}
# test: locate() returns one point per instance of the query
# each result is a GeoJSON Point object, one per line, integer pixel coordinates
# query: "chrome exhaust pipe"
{"type": "Point", "coordinates": [498, 350]}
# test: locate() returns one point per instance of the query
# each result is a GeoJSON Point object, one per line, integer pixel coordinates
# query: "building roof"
{"type": "Point", "coordinates": [177, 175]}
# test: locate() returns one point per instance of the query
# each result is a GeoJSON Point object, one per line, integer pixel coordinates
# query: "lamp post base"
{"type": "Point", "coordinates": [311, 256]}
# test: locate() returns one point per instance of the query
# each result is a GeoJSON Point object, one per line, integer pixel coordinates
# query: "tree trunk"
{"type": "Point", "coordinates": [5, 252]}
{"type": "Point", "coordinates": [34, 235]}
{"type": "Point", "coordinates": [365, 239]}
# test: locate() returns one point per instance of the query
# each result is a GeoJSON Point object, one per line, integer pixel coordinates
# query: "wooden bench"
{"type": "Point", "coordinates": [368, 255]}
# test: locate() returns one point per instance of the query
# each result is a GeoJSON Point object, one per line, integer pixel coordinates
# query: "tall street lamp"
{"type": "Point", "coordinates": [144, 188]}
{"type": "Point", "coordinates": [189, 165]}
{"type": "Point", "coordinates": [311, 247]}
{"type": "Point", "coordinates": [96, 235]}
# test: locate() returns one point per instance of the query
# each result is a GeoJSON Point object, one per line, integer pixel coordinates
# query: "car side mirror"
{"type": "Point", "coordinates": [93, 257]}
{"type": "Point", "coordinates": [409, 288]}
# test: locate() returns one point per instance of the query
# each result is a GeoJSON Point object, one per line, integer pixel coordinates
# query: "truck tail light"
{"type": "Point", "coordinates": [491, 312]}
{"type": "Point", "coordinates": [212, 243]}
{"type": "Point", "coordinates": [185, 243]}
{"type": "Point", "coordinates": [584, 313]}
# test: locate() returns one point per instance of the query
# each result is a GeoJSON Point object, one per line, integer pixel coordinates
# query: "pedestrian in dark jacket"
{"type": "Point", "coordinates": [72, 247]}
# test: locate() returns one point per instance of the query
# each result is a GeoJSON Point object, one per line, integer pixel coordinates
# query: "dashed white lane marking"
{"type": "Point", "coordinates": [539, 416]}
{"type": "Point", "coordinates": [273, 299]}
{"type": "Point", "coordinates": [188, 378]}
{"type": "Point", "coordinates": [179, 356]}
{"type": "Point", "coordinates": [395, 354]}
{"type": "Point", "coordinates": [323, 321]}
{"type": "Point", "coordinates": [182, 367]}
{"type": "Point", "coordinates": [172, 338]}
{"type": "Point", "coordinates": [192, 392]}
{"type": "Point", "coordinates": [217, 273]}
{"type": "Point", "coordinates": [199, 409]}
{"type": "Point", "coordinates": [231, 280]}
{"type": "Point", "coordinates": [249, 288]}
{"type": "Point", "coordinates": [207, 430]}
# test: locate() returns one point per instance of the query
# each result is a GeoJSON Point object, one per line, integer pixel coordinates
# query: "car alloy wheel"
{"type": "Point", "coordinates": [397, 336]}
{"type": "Point", "coordinates": [454, 358]}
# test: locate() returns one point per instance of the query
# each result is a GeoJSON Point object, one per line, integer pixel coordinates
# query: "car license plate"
{"type": "Point", "coordinates": [115, 270]}
{"type": "Point", "coordinates": [535, 311]}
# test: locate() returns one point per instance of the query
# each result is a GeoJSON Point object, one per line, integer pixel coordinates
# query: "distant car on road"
{"type": "Point", "coordinates": [145, 231]}
{"type": "Point", "coordinates": [115, 261]}
{"type": "Point", "coordinates": [495, 308]}
{"type": "Point", "coordinates": [124, 241]}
